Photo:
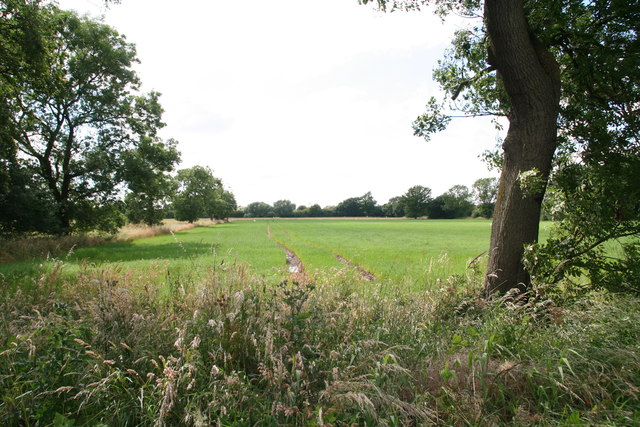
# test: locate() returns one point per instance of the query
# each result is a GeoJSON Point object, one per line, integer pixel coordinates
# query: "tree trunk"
{"type": "Point", "coordinates": [531, 79]}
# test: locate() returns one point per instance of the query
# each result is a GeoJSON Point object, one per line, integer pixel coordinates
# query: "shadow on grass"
{"type": "Point", "coordinates": [129, 251]}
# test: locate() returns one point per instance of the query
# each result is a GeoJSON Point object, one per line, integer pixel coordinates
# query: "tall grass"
{"type": "Point", "coordinates": [38, 246]}
{"type": "Point", "coordinates": [110, 347]}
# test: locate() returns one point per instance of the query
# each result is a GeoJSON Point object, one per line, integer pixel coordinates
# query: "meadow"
{"type": "Point", "coordinates": [207, 326]}
{"type": "Point", "coordinates": [414, 254]}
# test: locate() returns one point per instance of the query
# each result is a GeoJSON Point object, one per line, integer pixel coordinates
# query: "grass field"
{"type": "Point", "coordinates": [410, 253]}
{"type": "Point", "coordinates": [199, 328]}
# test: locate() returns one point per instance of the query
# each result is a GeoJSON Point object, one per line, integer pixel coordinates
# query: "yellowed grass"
{"type": "Point", "coordinates": [24, 248]}
{"type": "Point", "coordinates": [29, 247]}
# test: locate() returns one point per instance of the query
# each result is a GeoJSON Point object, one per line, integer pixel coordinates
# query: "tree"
{"type": "Point", "coordinates": [199, 194]}
{"type": "Point", "coordinates": [71, 116]}
{"type": "Point", "coordinates": [364, 205]}
{"type": "Point", "coordinates": [283, 208]}
{"type": "Point", "coordinates": [509, 64]}
{"type": "Point", "coordinates": [258, 210]}
{"type": "Point", "coordinates": [350, 208]}
{"type": "Point", "coordinates": [146, 170]}
{"type": "Point", "coordinates": [416, 201]}
{"type": "Point", "coordinates": [315, 211]}
{"type": "Point", "coordinates": [394, 208]}
{"type": "Point", "coordinates": [458, 201]}
{"type": "Point", "coordinates": [22, 55]}
{"type": "Point", "coordinates": [369, 205]}
{"type": "Point", "coordinates": [455, 203]}
{"type": "Point", "coordinates": [485, 191]}
{"type": "Point", "coordinates": [225, 205]}
{"type": "Point", "coordinates": [436, 208]}
{"type": "Point", "coordinates": [25, 204]}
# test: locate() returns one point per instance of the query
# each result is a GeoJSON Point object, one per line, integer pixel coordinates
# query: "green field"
{"type": "Point", "coordinates": [200, 328]}
{"type": "Point", "coordinates": [408, 253]}
{"type": "Point", "coordinates": [402, 251]}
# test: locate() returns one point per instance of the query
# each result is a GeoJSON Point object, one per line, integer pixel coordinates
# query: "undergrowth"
{"type": "Point", "coordinates": [108, 348]}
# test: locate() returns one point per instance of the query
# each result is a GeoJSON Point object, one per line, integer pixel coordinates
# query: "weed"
{"type": "Point", "coordinates": [110, 345]}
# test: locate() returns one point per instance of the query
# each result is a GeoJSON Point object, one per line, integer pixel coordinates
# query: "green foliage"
{"type": "Point", "coordinates": [455, 203]}
{"type": "Point", "coordinates": [594, 186]}
{"type": "Point", "coordinates": [258, 210]}
{"type": "Point", "coordinates": [485, 191]}
{"type": "Point", "coordinates": [146, 170]}
{"type": "Point", "coordinates": [201, 195]}
{"type": "Point", "coordinates": [225, 205]}
{"type": "Point", "coordinates": [430, 122]}
{"type": "Point", "coordinates": [100, 348]}
{"type": "Point", "coordinates": [316, 211]}
{"type": "Point", "coordinates": [364, 205]}
{"type": "Point", "coordinates": [69, 110]}
{"type": "Point", "coordinates": [394, 208]}
{"type": "Point", "coordinates": [416, 201]}
{"type": "Point", "coordinates": [596, 231]}
{"type": "Point", "coordinates": [284, 208]}
{"type": "Point", "coordinates": [25, 203]}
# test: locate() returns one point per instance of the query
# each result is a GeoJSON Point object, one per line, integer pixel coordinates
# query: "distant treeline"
{"type": "Point", "coordinates": [458, 202]}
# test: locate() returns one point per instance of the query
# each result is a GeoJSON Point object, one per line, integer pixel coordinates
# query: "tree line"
{"type": "Point", "coordinates": [458, 202]}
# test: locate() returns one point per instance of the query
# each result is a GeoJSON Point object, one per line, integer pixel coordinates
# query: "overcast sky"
{"type": "Point", "coordinates": [305, 100]}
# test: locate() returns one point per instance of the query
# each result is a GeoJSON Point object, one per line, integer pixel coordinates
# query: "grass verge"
{"type": "Point", "coordinates": [110, 347]}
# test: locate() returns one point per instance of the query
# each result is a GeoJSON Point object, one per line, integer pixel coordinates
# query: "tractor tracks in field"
{"type": "Point", "coordinates": [296, 268]}
{"type": "Point", "coordinates": [366, 275]}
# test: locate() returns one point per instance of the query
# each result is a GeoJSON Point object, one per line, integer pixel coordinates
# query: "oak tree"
{"type": "Point", "coordinates": [565, 75]}
{"type": "Point", "coordinates": [73, 115]}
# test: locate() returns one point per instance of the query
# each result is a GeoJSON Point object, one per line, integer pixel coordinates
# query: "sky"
{"type": "Point", "coordinates": [305, 100]}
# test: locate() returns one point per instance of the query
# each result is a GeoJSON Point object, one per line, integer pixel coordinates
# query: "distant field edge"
{"type": "Point", "coordinates": [363, 218]}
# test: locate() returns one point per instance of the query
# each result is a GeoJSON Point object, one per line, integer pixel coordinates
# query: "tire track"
{"type": "Point", "coordinates": [295, 264]}
{"type": "Point", "coordinates": [366, 275]}
{"type": "Point", "coordinates": [296, 269]}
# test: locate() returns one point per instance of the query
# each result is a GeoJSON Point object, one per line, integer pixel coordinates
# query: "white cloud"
{"type": "Point", "coordinates": [299, 99]}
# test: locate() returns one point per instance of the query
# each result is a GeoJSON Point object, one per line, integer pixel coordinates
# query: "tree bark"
{"type": "Point", "coordinates": [531, 79]}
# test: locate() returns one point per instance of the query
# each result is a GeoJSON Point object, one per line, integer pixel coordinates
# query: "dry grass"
{"type": "Point", "coordinates": [31, 247]}
{"type": "Point", "coordinates": [139, 231]}
{"type": "Point", "coordinates": [231, 349]}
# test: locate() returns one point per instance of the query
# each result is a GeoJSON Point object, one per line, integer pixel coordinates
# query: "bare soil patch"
{"type": "Point", "coordinates": [366, 275]}
{"type": "Point", "coordinates": [296, 269]}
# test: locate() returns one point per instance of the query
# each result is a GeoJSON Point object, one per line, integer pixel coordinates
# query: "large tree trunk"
{"type": "Point", "coordinates": [531, 79]}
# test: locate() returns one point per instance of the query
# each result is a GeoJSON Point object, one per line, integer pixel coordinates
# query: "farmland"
{"type": "Point", "coordinates": [202, 327]}
{"type": "Point", "coordinates": [412, 253]}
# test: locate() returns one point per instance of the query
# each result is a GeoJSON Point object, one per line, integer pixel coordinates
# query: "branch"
{"type": "Point", "coordinates": [468, 82]}
{"type": "Point", "coordinates": [558, 269]}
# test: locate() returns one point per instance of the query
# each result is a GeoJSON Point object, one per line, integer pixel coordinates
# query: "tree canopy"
{"type": "Point", "coordinates": [416, 201]}
{"type": "Point", "coordinates": [201, 195]}
{"type": "Point", "coordinates": [284, 208]}
{"type": "Point", "coordinates": [565, 75]}
{"type": "Point", "coordinates": [259, 210]}
{"type": "Point", "coordinates": [75, 129]}
{"type": "Point", "coordinates": [485, 191]}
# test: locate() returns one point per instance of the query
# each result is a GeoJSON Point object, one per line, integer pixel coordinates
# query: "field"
{"type": "Point", "coordinates": [414, 254]}
{"type": "Point", "coordinates": [207, 326]}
